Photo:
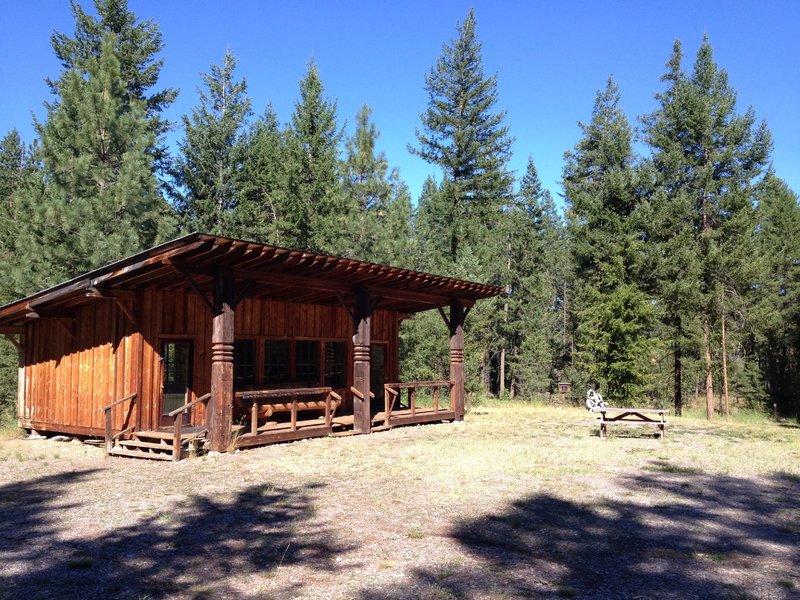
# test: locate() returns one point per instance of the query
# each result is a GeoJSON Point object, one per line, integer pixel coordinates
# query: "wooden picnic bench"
{"type": "Point", "coordinates": [631, 416]}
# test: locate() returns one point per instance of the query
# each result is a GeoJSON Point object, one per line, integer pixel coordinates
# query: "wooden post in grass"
{"type": "Point", "coordinates": [361, 363]}
{"type": "Point", "coordinates": [220, 407]}
{"type": "Point", "coordinates": [456, 322]}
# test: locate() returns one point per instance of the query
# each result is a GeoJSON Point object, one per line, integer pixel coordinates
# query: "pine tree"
{"type": "Point", "coordinates": [12, 175]}
{"type": "Point", "coordinates": [209, 169]}
{"type": "Point", "coordinates": [95, 198]}
{"type": "Point", "coordinates": [366, 186]}
{"type": "Point", "coordinates": [601, 190]}
{"type": "Point", "coordinates": [262, 211]}
{"type": "Point", "coordinates": [317, 212]}
{"type": "Point", "coordinates": [708, 159]}
{"type": "Point", "coordinates": [775, 320]}
{"type": "Point", "coordinates": [534, 260]}
{"type": "Point", "coordinates": [137, 45]}
{"type": "Point", "coordinates": [464, 136]}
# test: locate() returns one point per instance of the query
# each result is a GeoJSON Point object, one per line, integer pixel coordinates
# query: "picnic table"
{"type": "Point", "coordinates": [631, 416]}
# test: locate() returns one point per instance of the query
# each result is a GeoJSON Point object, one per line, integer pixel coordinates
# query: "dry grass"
{"type": "Point", "coordinates": [518, 501]}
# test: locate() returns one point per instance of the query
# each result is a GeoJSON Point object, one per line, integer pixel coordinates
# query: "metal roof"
{"type": "Point", "coordinates": [259, 270]}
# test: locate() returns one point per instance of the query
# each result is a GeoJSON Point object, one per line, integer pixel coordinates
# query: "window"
{"type": "Point", "coordinates": [306, 365]}
{"type": "Point", "coordinates": [334, 364]}
{"type": "Point", "coordinates": [244, 363]}
{"type": "Point", "coordinates": [276, 361]}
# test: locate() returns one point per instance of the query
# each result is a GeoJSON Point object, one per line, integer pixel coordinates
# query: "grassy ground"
{"type": "Point", "coordinates": [519, 501]}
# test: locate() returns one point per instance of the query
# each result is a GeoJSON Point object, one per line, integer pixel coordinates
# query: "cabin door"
{"type": "Point", "coordinates": [377, 375]}
{"type": "Point", "coordinates": [176, 385]}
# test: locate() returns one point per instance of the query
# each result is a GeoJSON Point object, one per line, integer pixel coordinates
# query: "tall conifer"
{"type": "Point", "coordinates": [137, 46]}
{"type": "Point", "coordinates": [96, 198]}
{"type": "Point", "coordinates": [210, 166]}
{"type": "Point", "coordinates": [708, 159]}
{"type": "Point", "coordinates": [465, 136]}
{"type": "Point", "coordinates": [601, 190]}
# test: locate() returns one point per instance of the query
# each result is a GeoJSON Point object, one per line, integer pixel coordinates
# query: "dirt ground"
{"type": "Point", "coordinates": [517, 502]}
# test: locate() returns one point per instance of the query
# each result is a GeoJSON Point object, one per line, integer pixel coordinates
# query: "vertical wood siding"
{"type": "Point", "coordinates": [67, 378]}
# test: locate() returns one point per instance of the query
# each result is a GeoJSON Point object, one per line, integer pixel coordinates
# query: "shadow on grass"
{"type": "Point", "coordinates": [189, 549]}
{"type": "Point", "coordinates": [682, 538]}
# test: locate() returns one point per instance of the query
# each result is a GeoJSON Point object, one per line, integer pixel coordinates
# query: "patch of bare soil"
{"type": "Point", "coordinates": [443, 511]}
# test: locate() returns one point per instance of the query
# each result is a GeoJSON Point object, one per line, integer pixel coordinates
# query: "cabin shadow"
{"type": "Point", "coordinates": [699, 527]}
{"type": "Point", "coordinates": [189, 549]}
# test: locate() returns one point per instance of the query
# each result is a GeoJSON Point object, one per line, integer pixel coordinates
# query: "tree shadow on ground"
{"type": "Point", "coordinates": [666, 533]}
{"type": "Point", "coordinates": [187, 550]}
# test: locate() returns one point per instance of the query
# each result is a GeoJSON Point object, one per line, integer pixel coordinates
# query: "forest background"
{"type": "Point", "coordinates": [668, 276]}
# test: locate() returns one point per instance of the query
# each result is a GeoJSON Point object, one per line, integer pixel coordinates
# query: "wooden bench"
{"type": "Point", "coordinates": [631, 416]}
{"type": "Point", "coordinates": [265, 403]}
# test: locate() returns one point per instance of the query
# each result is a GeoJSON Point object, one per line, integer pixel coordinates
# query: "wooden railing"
{"type": "Point", "coordinates": [394, 390]}
{"type": "Point", "coordinates": [268, 402]}
{"type": "Point", "coordinates": [109, 425]}
{"type": "Point", "coordinates": [177, 424]}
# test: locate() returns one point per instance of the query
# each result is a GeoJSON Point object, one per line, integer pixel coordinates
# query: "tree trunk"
{"type": "Point", "coordinates": [726, 400]}
{"type": "Point", "coordinates": [678, 374]}
{"type": "Point", "coordinates": [709, 374]}
{"type": "Point", "coordinates": [502, 371]}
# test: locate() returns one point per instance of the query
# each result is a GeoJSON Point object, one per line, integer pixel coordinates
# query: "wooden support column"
{"type": "Point", "coordinates": [361, 363]}
{"type": "Point", "coordinates": [456, 323]}
{"type": "Point", "coordinates": [220, 406]}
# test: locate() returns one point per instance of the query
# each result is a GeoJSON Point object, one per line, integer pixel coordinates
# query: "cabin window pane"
{"type": "Point", "coordinates": [306, 365]}
{"type": "Point", "coordinates": [334, 364]}
{"type": "Point", "coordinates": [244, 363]}
{"type": "Point", "coordinates": [276, 361]}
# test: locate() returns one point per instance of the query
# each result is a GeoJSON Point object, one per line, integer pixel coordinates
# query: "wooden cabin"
{"type": "Point", "coordinates": [223, 343]}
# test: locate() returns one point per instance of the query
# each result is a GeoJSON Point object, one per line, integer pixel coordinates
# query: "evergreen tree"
{"type": "Point", "coordinates": [396, 245]}
{"type": "Point", "coordinates": [708, 159]}
{"type": "Point", "coordinates": [209, 169]}
{"type": "Point", "coordinates": [776, 335]}
{"type": "Point", "coordinates": [317, 214]}
{"type": "Point", "coordinates": [601, 190]}
{"type": "Point", "coordinates": [15, 171]}
{"type": "Point", "coordinates": [12, 175]}
{"type": "Point", "coordinates": [464, 136]}
{"type": "Point", "coordinates": [366, 186]}
{"type": "Point", "coordinates": [95, 198]}
{"type": "Point", "coordinates": [137, 45]}
{"type": "Point", "coordinates": [263, 206]}
{"type": "Point", "coordinates": [534, 275]}
{"type": "Point", "coordinates": [431, 230]}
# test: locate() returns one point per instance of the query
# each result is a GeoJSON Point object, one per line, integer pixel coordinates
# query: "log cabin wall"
{"type": "Point", "coordinates": [75, 366]}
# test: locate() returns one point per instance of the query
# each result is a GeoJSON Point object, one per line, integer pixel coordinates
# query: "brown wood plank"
{"type": "Point", "coordinates": [262, 439]}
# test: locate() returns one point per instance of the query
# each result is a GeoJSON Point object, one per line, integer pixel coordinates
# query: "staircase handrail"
{"type": "Point", "coordinates": [108, 412]}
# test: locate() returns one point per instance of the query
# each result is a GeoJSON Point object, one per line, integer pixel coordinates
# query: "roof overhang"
{"type": "Point", "coordinates": [262, 271]}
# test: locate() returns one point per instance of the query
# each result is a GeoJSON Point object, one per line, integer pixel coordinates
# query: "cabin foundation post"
{"type": "Point", "coordinates": [362, 418]}
{"type": "Point", "coordinates": [220, 406]}
{"type": "Point", "coordinates": [456, 322]}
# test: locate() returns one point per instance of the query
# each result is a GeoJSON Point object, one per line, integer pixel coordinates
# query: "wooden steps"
{"type": "Point", "coordinates": [117, 451]}
{"type": "Point", "coordinates": [158, 444]}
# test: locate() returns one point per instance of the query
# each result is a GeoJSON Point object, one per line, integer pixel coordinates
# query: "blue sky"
{"type": "Point", "coordinates": [550, 58]}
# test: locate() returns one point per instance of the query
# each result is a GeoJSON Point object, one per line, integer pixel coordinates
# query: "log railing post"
{"type": "Point", "coordinates": [176, 439]}
{"type": "Point", "coordinates": [457, 359]}
{"type": "Point", "coordinates": [412, 400]}
{"type": "Point", "coordinates": [220, 409]}
{"type": "Point", "coordinates": [361, 363]}
{"type": "Point", "coordinates": [254, 418]}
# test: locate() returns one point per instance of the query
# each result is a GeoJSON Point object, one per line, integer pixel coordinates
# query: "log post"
{"type": "Point", "coordinates": [220, 407]}
{"type": "Point", "coordinates": [457, 358]}
{"type": "Point", "coordinates": [361, 363]}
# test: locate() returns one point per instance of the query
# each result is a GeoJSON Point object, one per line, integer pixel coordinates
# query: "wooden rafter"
{"type": "Point", "coordinates": [17, 342]}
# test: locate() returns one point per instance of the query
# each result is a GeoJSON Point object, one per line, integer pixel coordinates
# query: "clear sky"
{"type": "Point", "coordinates": [551, 57]}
